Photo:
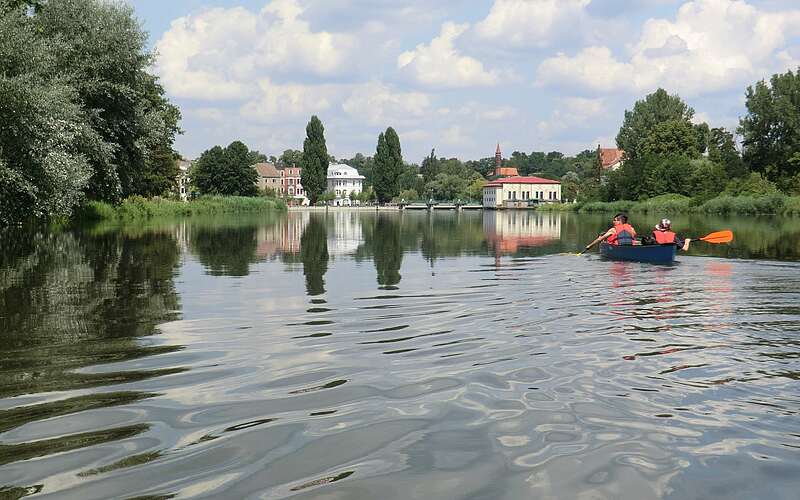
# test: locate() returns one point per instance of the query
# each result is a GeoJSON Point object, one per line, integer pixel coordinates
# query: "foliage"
{"type": "Point", "coordinates": [634, 136]}
{"type": "Point", "coordinates": [771, 129]}
{"type": "Point", "coordinates": [290, 158]}
{"type": "Point", "coordinates": [768, 204]}
{"type": "Point", "coordinates": [315, 160]}
{"type": "Point", "coordinates": [79, 114]}
{"type": "Point", "coordinates": [651, 175]}
{"type": "Point", "coordinates": [722, 150]}
{"type": "Point", "coordinates": [388, 166]}
{"type": "Point", "coordinates": [137, 207]}
{"type": "Point", "coordinates": [407, 195]}
{"type": "Point", "coordinates": [753, 185]}
{"type": "Point", "coordinates": [671, 137]}
{"type": "Point", "coordinates": [314, 254]}
{"type": "Point", "coordinates": [226, 172]}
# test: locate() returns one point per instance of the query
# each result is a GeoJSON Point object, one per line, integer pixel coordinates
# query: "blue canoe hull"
{"type": "Point", "coordinates": [639, 253]}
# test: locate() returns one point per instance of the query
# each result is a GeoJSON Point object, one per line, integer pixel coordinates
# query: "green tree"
{"type": "Point", "coordinates": [388, 166]}
{"type": "Point", "coordinates": [430, 167]}
{"type": "Point", "coordinates": [722, 150]}
{"type": "Point", "coordinates": [225, 171]}
{"type": "Point", "coordinates": [315, 160]}
{"type": "Point", "coordinates": [290, 158]}
{"type": "Point", "coordinates": [672, 137]}
{"type": "Point", "coordinates": [647, 114]}
{"type": "Point", "coordinates": [771, 129]}
{"type": "Point", "coordinates": [708, 179]}
{"type": "Point", "coordinates": [105, 59]}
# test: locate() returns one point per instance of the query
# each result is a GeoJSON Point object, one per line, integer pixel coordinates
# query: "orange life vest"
{"type": "Point", "coordinates": [624, 235]}
{"type": "Point", "coordinates": [664, 237]}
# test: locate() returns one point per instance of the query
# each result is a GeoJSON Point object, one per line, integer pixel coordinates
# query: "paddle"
{"type": "Point", "coordinates": [590, 245]}
{"type": "Point", "coordinates": [717, 237]}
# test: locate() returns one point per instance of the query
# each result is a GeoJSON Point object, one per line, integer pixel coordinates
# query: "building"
{"type": "Point", "coordinates": [500, 171]}
{"type": "Point", "coordinates": [268, 177]}
{"type": "Point", "coordinates": [343, 181]}
{"type": "Point", "coordinates": [610, 158]}
{"type": "Point", "coordinates": [518, 192]}
{"type": "Point", "coordinates": [290, 185]}
{"type": "Point", "coordinates": [182, 181]}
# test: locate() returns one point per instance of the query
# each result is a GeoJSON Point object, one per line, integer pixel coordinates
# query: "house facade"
{"type": "Point", "coordinates": [290, 185]}
{"type": "Point", "coordinates": [514, 192]}
{"type": "Point", "coordinates": [343, 181]}
{"type": "Point", "coordinates": [268, 177]}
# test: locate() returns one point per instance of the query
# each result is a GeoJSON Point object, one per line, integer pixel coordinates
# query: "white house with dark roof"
{"type": "Point", "coordinates": [343, 180]}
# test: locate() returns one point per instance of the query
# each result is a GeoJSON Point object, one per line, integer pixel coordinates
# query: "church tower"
{"type": "Point", "coordinates": [498, 158]}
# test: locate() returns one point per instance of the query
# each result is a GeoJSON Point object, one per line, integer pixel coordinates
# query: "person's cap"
{"type": "Point", "coordinates": [664, 224]}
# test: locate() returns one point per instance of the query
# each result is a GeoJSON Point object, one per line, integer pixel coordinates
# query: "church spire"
{"type": "Point", "coordinates": [498, 158]}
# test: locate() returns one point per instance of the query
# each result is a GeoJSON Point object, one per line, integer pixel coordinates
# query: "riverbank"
{"type": "Point", "coordinates": [141, 208]}
{"type": "Point", "coordinates": [775, 204]}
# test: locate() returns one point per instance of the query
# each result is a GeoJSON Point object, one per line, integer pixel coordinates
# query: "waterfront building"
{"type": "Point", "coordinates": [291, 187]}
{"type": "Point", "coordinates": [610, 158]}
{"type": "Point", "coordinates": [182, 181]}
{"type": "Point", "coordinates": [268, 177]}
{"type": "Point", "coordinates": [343, 181]}
{"type": "Point", "coordinates": [519, 192]}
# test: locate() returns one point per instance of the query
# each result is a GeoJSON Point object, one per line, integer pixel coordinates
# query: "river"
{"type": "Point", "coordinates": [389, 355]}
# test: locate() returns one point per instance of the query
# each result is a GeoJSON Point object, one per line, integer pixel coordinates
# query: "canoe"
{"type": "Point", "coordinates": [639, 253]}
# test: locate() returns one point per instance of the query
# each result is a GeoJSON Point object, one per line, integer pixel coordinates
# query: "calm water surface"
{"type": "Point", "coordinates": [363, 355]}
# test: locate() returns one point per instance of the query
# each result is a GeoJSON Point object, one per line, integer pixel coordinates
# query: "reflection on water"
{"type": "Point", "coordinates": [386, 355]}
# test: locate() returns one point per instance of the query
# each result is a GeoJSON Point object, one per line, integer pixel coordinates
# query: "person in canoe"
{"type": "Point", "coordinates": [620, 233]}
{"type": "Point", "coordinates": [663, 235]}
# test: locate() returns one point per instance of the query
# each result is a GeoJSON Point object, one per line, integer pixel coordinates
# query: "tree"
{"type": "Point", "coordinates": [388, 253]}
{"type": "Point", "coordinates": [722, 150]}
{"type": "Point", "coordinates": [290, 158]}
{"type": "Point", "coordinates": [656, 108]}
{"type": "Point", "coordinates": [771, 130]}
{"type": "Point", "coordinates": [672, 137]}
{"type": "Point", "coordinates": [430, 167]}
{"type": "Point", "coordinates": [315, 160]}
{"type": "Point", "coordinates": [388, 166]}
{"type": "Point", "coordinates": [225, 171]}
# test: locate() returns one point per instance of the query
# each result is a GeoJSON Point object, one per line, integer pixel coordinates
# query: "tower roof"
{"type": "Point", "coordinates": [498, 149]}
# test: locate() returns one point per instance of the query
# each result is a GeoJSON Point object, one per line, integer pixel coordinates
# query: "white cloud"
{"type": "Point", "coordinates": [440, 64]}
{"type": "Point", "coordinates": [286, 100]}
{"type": "Point", "coordinates": [530, 22]}
{"type": "Point", "coordinates": [454, 136]}
{"type": "Point", "coordinates": [572, 113]}
{"type": "Point", "coordinates": [378, 104]}
{"type": "Point", "coordinates": [711, 45]}
{"type": "Point", "coordinates": [218, 53]}
{"type": "Point", "coordinates": [497, 114]}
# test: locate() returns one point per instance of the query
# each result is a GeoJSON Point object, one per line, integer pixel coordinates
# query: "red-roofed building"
{"type": "Point", "coordinates": [501, 171]}
{"type": "Point", "coordinates": [517, 192]}
{"type": "Point", "coordinates": [610, 158]}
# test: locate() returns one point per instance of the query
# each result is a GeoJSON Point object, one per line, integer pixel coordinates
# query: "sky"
{"type": "Point", "coordinates": [459, 76]}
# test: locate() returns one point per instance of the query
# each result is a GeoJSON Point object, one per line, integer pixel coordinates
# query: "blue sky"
{"type": "Point", "coordinates": [455, 75]}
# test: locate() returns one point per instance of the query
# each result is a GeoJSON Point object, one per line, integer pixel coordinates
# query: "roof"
{"type": "Point", "coordinates": [341, 170]}
{"type": "Point", "coordinates": [610, 156]}
{"type": "Point", "coordinates": [266, 170]}
{"type": "Point", "coordinates": [507, 171]}
{"type": "Point", "coordinates": [521, 180]}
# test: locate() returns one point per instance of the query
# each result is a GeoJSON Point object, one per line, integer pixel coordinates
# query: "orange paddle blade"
{"type": "Point", "coordinates": [719, 237]}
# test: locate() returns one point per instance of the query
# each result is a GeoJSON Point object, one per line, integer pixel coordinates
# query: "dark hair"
{"type": "Point", "coordinates": [622, 218]}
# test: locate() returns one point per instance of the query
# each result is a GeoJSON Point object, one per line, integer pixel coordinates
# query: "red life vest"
{"type": "Point", "coordinates": [624, 235]}
{"type": "Point", "coordinates": [664, 237]}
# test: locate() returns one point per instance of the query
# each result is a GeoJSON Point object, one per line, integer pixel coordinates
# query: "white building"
{"type": "Point", "coordinates": [183, 179]}
{"type": "Point", "coordinates": [343, 180]}
{"type": "Point", "coordinates": [512, 192]}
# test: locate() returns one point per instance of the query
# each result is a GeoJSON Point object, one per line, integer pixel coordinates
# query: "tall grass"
{"type": "Point", "coordinates": [137, 207]}
{"type": "Point", "coordinates": [769, 204]}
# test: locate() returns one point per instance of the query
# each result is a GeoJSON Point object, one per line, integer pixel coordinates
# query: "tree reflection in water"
{"type": "Point", "coordinates": [314, 254]}
{"type": "Point", "coordinates": [388, 251]}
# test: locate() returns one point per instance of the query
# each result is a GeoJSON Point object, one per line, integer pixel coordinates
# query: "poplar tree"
{"type": "Point", "coordinates": [313, 177]}
{"type": "Point", "coordinates": [388, 166]}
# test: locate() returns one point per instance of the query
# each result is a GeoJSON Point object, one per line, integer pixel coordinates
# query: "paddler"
{"type": "Point", "coordinates": [620, 233]}
{"type": "Point", "coordinates": [663, 235]}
